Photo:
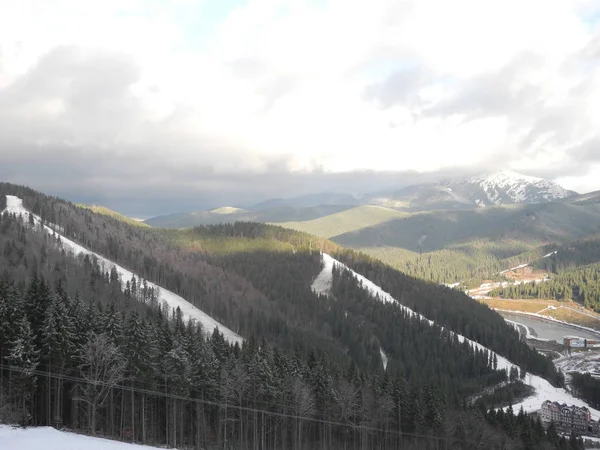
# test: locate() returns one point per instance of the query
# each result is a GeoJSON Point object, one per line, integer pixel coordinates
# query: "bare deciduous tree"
{"type": "Point", "coordinates": [347, 399]}
{"type": "Point", "coordinates": [103, 368]}
{"type": "Point", "coordinates": [303, 404]}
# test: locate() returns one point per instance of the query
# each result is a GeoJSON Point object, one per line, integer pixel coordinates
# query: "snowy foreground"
{"type": "Point", "coordinates": [543, 389]}
{"type": "Point", "coordinates": [47, 438]}
{"type": "Point", "coordinates": [15, 205]}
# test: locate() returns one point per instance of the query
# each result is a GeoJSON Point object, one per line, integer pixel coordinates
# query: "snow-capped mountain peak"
{"type": "Point", "coordinates": [506, 186]}
{"type": "Point", "coordinates": [504, 177]}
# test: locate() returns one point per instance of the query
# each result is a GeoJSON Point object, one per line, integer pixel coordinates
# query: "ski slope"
{"type": "Point", "coordinates": [48, 438]}
{"type": "Point", "coordinates": [322, 284]}
{"type": "Point", "coordinates": [15, 205]}
{"type": "Point", "coordinates": [543, 389]}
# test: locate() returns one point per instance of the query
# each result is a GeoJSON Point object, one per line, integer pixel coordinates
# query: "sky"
{"type": "Point", "coordinates": [153, 107]}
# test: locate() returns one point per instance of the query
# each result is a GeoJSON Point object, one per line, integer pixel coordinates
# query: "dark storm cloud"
{"type": "Point", "coordinates": [144, 188]}
{"type": "Point", "coordinates": [71, 127]}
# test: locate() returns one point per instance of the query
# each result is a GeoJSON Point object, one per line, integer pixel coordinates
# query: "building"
{"type": "Point", "coordinates": [572, 418]}
{"type": "Point", "coordinates": [577, 342]}
{"type": "Point", "coordinates": [550, 412]}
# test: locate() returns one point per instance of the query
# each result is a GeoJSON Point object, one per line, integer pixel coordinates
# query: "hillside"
{"type": "Point", "coordinates": [347, 221]}
{"type": "Point", "coordinates": [573, 269]}
{"type": "Point", "coordinates": [589, 198]}
{"type": "Point", "coordinates": [271, 214]}
{"type": "Point", "coordinates": [458, 245]}
{"type": "Point", "coordinates": [108, 212]}
{"type": "Point", "coordinates": [437, 230]}
{"type": "Point", "coordinates": [316, 349]}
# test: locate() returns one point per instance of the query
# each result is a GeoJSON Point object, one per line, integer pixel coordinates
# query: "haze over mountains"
{"type": "Point", "coordinates": [454, 230]}
{"type": "Point", "coordinates": [486, 189]}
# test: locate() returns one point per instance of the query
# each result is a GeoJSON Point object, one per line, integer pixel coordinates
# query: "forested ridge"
{"type": "Point", "coordinates": [455, 310]}
{"type": "Point", "coordinates": [256, 279]}
{"type": "Point", "coordinates": [581, 285]}
{"type": "Point", "coordinates": [574, 274]}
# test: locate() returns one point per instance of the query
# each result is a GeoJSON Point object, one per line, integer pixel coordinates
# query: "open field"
{"type": "Point", "coordinates": [348, 221]}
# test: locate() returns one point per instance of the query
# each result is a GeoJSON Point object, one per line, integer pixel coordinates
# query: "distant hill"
{"type": "Point", "coordinates": [227, 210]}
{"type": "Point", "coordinates": [436, 230]}
{"type": "Point", "coordinates": [586, 199]}
{"type": "Point", "coordinates": [347, 221]}
{"type": "Point", "coordinates": [115, 215]}
{"type": "Point", "coordinates": [310, 200]}
{"type": "Point", "coordinates": [274, 214]}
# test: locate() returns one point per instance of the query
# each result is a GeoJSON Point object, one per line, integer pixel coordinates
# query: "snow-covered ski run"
{"type": "Point", "coordinates": [14, 205]}
{"type": "Point", "coordinates": [543, 389]}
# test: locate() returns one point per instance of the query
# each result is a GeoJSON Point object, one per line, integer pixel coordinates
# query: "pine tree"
{"type": "Point", "coordinates": [24, 357]}
{"type": "Point", "coordinates": [113, 324]}
{"type": "Point", "coordinates": [11, 308]}
{"type": "Point", "coordinates": [58, 349]}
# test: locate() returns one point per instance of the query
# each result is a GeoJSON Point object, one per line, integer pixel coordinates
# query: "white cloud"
{"type": "Point", "coordinates": [286, 81]}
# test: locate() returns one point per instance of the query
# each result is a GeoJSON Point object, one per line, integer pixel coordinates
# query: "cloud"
{"type": "Point", "coordinates": [128, 99]}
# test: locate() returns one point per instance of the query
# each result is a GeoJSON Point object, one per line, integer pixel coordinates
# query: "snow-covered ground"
{"type": "Point", "coordinates": [519, 188]}
{"type": "Point", "coordinates": [543, 389]}
{"type": "Point", "coordinates": [15, 205]}
{"type": "Point", "coordinates": [48, 438]}
{"type": "Point", "coordinates": [520, 266]}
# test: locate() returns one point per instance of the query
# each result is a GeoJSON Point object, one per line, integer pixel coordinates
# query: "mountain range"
{"type": "Point", "coordinates": [487, 189]}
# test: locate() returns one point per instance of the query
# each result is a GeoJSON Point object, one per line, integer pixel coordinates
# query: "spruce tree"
{"type": "Point", "coordinates": [23, 359]}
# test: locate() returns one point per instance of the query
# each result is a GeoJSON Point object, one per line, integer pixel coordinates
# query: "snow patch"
{"type": "Point", "coordinates": [384, 358]}
{"type": "Point", "coordinates": [189, 311]}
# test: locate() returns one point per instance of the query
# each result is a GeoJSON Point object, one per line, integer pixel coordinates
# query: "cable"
{"type": "Point", "coordinates": [237, 407]}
